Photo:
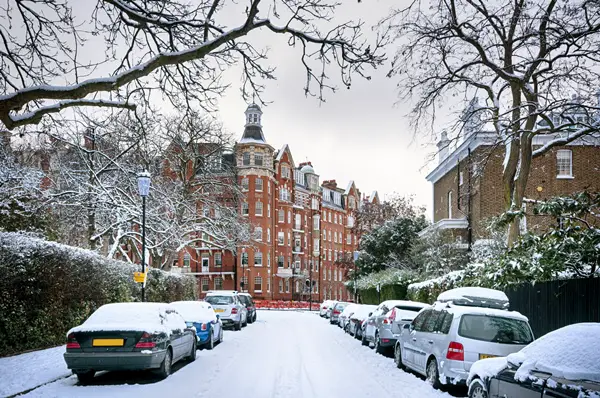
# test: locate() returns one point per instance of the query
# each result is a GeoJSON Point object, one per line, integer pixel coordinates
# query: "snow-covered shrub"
{"type": "Point", "coordinates": [392, 282]}
{"type": "Point", "coordinates": [46, 288]}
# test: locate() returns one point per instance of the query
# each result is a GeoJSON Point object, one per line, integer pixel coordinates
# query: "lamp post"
{"type": "Point", "coordinates": [144, 189]}
{"type": "Point", "coordinates": [244, 269]}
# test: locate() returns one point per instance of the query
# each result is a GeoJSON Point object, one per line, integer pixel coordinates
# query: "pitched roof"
{"type": "Point", "coordinates": [253, 134]}
{"type": "Point", "coordinates": [282, 151]}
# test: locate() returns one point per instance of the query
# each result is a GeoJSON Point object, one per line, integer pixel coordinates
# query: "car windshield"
{"type": "Point", "coordinates": [219, 300]}
{"type": "Point", "coordinates": [245, 300]}
{"type": "Point", "coordinates": [495, 329]}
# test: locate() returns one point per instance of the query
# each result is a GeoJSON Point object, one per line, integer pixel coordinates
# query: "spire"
{"type": "Point", "coordinates": [253, 128]}
{"type": "Point", "coordinates": [443, 145]}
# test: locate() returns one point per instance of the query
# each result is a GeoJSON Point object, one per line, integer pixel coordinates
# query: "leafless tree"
{"type": "Point", "coordinates": [525, 58]}
{"type": "Point", "coordinates": [173, 47]}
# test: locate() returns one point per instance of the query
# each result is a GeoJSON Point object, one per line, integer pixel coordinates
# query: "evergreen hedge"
{"type": "Point", "coordinates": [46, 288]}
{"type": "Point", "coordinates": [388, 292]}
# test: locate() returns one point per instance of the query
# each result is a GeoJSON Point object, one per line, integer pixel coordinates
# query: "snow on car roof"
{"type": "Point", "coordinates": [571, 352]}
{"type": "Point", "coordinates": [363, 311]}
{"type": "Point", "coordinates": [126, 316]}
{"type": "Point", "coordinates": [349, 309]}
{"type": "Point", "coordinates": [479, 292]}
{"type": "Point", "coordinates": [195, 311]}
{"type": "Point", "coordinates": [406, 303]}
{"type": "Point", "coordinates": [461, 310]}
{"type": "Point", "coordinates": [222, 293]}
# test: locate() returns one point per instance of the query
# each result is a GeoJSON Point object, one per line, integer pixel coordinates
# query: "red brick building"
{"type": "Point", "coordinates": [467, 182]}
{"type": "Point", "coordinates": [302, 230]}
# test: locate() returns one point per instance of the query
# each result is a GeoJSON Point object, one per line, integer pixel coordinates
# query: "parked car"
{"type": "Point", "coordinates": [201, 316]}
{"type": "Point", "coordinates": [337, 310]}
{"type": "Point", "coordinates": [246, 299]}
{"type": "Point", "coordinates": [330, 308]}
{"type": "Point", "coordinates": [229, 307]}
{"type": "Point", "coordinates": [379, 328]}
{"type": "Point", "coordinates": [446, 339]}
{"type": "Point", "coordinates": [344, 317]}
{"type": "Point", "coordinates": [324, 307]}
{"type": "Point", "coordinates": [562, 363]}
{"type": "Point", "coordinates": [129, 336]}
{"type": "Point", "coordinates": [355, 326]}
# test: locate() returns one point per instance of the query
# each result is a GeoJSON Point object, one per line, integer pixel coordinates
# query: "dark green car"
{"type": "Point", "coordinates": [129, 336]}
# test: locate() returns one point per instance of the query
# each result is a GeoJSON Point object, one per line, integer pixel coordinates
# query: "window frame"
{"type": "Point", "coordinates": [558, 160]}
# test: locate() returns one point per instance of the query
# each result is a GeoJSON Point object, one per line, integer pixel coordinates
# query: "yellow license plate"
{"type": "Point", "coordinates": [108, 342]}
{"type": "Point", "coordinates": [219, 310]}
{"type": "Point", "coordinates": [484, 356]}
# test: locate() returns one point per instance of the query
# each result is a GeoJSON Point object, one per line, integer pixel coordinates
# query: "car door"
{"type": "Point", "coordinates": [410, 348]}
{"type": "Point", "coordinates": [178, 336]}
{"type": "Point", "coordinates": [426, 339]}
{"type": "Point", "coordinates": [370, 325]}
{"type": "Point", "coordinates": [379, 319]}
{"type": "Point", "coordinates": [505, 385]}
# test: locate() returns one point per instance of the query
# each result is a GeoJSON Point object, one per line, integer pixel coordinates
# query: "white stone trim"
{"type": "Point", "coordinates": [446, 223]}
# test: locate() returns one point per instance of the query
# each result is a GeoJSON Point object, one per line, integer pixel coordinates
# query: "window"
{"type": "Point", "coordinates": [495, 328]}
{"type": "Point", "coordinates": [258, 284]}
{"type": "Point", "coordinates": [268, 285]}
{"type": "Point", "coordinates": [289, 239]}
{"type": "Point", "coordinates": [244, 208]}
{"type": "Point", "coordinates": [281, 286]}
{"type": "Point", "coordinates": [329, 272]}
{"type": "Point", "coordinates": [316, 220]}
{"type": "Point", "coordinates": [281, 215]}
{"type": "Point", "coordinates": [218, 260]}
{"type": "Point", "coordinates": [186, 259]}
{"type": "Point", "coordinates": [205, 286]}
{"type": "Point", "coordinates": [329, 218]}
{"type": "Point", "coordinates": [269, 210]}
{"type": "Point", "coordinates": [317, 265]}
{"type": "Point", "coordinates": [269, 235]}
{"type": "Point", "coordinates": [564, 163]}
{"type": "Point", "coordinates": [258, 233]}
{"type": "Point", "coordinates": [298, 221]}
{"type": "Point", "coordinates": [350, 221]}
{"type": "Point", "coordinates": [245, 183]}
{"type": "Point", "coordinates": [218, 283]}
{"type": "Point", "coordinates": [246, 159]}
{"type": "Point", "coordinates": [335, 218]}
{"type": "Point", "coordinates": [284, 194]}
{"type": "Point", "coordinates": [329, 236]}
{"type": "Point", "coordinates": [349, 239]}
{"type": "Point", "coordinates": [269, 261]}
{"type": "Point", "coordinates": [351, 202]}
{"type": "Point", "coordinates": [460, 178]}
{"type": "Point", "coordinates": [285, 171]}
{"type": "Point", "coordinates": [258, 185]}
{"type": "Point", "coordinates": [289, 217]}
{"type": "Point", "coordinates": [316, 244]}
{"type": "Point", "coordinates": [244, 259]}
{"type": "Point", "coordinates": [420, 320]}
{"type": "Point", "coordinates": [325, 235]}
{"type": "Point", "coordinates": [287, 285]}
{"type": "Point", "coordinates": [258, 259]}
{"type": "Point", "coordinates": [280, 261]}
{"type": "Point", "coordinates": [431, 321]}
{"type": "Point", "coordinates": [258, 159]}
{"type": "Point", "coordinates": [315, 204]}
{"type": "Point", "coordinates": [244, 283]}
{"type": "Point", "coordinates": [280, 238]}
{"type": "Point", "coordinates": [335, 256]}
{"type": "Point", "coordinates": [258, 208]}
{"type": "Point", "coordinates": [334, 237]}
{"type": "Point", "coordinates": [449, 204]}
{"type": "Point", "coordinates": [335, 275]}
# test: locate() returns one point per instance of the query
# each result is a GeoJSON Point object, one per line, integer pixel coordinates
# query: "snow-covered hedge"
{"type": "Point", "coordinates": [393, 283]}
{"type": "Point", "coordinates": [46, 288]}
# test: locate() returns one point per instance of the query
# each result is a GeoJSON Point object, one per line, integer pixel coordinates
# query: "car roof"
{"type": "Point", "coordinates": [407, 303]}
{"type": "Point", "coordinates": [462, 310]}
{"type": "Point", "coordinates": [245, 294]}
{"type": "Point", "coordinates": [222, 293]}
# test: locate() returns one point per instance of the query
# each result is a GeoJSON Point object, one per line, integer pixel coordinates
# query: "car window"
{"type": "Point", "coordinates": [409, 308]}
{"type": "Point", "coordinates": [420, 320]}
{"type": "Point", "coordinates": [219, 300]}
{"type": "Point", "coordinates": [444, 322]}
{"type": "Point", "coordinates": [244, 300]}
{"type": "Point", "coordinates": [431, 321]}
{"type": "Point", "coordinates": [495, 329]}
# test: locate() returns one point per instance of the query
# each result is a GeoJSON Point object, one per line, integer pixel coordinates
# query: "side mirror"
{"type": "Point", "coordinates": [218, 317]}
{"type": "Point", "coordinates": [370, 313]}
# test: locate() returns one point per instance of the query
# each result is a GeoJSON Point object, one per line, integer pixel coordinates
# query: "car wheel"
{"type": "Point", "coordinates": [250, 320]}
{"type": "Point", "coordinates": [165, 367]}
{"type": "Point", "coordinates": [398, 356]}
{"type": "Point", "coordinates": [210, 344]}
{"type": "Point", "coordinates": [356, 334]}
{"type": "Point", "coordinates": [378, 348]}
{"type": "Point", "coordinates": [85, 377]}
{"type": "Point", "coordinates": [245, 322]}
{"type": "Point", "coordinates": [477, 389]}
{"type": "Point", "coordinates": [238, 326]}
{"type": "Point", "coordinates": [254, 317]}
{"type": "Point", "coordinates": [364, 340]}
{"type": "Point", "coordinates": [192, 356]}
{"type": "Point", "coordinates": [221, 336]}
{"type": "Point", "coordinates": [433, 377]}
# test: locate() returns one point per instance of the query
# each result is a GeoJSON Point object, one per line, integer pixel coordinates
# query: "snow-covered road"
{"type": "Point", "coordinates": [283, 354]}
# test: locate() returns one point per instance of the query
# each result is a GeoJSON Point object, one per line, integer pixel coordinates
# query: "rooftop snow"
{"type": "Point", "coordinates": [465, 292]}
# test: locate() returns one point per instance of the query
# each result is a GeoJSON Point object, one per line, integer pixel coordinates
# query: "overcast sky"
{"type": "Point", "coordinates": [361, 134]}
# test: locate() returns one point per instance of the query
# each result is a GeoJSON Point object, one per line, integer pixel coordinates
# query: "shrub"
{"type": "Point", "coordinates": [46, 288]}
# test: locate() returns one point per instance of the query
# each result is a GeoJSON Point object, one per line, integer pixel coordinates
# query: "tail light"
{"type": "Point", "coordinates": [456, 351]}
{"type": "Point", "coordinates": [390, 318]}
{"type": "Point", "coordinates": [234, 311]}
{"type": "Point", "coordinates": [145, 342]}
{"type": "Point", "coordinates": [336, 312]}
{"type": "Point", "coordinates": [203, 327]}
{"type": "Point", "coordinates": [72, 342]}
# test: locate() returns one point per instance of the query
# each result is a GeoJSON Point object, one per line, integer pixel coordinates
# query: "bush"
{"type": "Point", "coordinates": [46, 288]}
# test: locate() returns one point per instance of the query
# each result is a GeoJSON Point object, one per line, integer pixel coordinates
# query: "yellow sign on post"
{"type": "Point", "coordinates": [139, 277]}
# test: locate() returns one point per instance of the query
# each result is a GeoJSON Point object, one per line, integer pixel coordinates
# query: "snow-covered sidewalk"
{"type": "Point", "coordinates": [284, 354]}
{"type": "Point", "coordinates": [23, 372]}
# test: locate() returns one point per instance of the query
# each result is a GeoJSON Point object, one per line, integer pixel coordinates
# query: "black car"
{"type": "Point", "coordinates": [129, 336]}
{"type": "Point", "coordinates": [564, 363]}
{"type": "Point", "coordinates": [249, 303]}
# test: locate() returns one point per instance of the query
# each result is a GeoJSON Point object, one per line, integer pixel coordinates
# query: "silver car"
{"type": "Point", "coordinates": [444, 340]}
{"type": "Point", "coordinates": [380, 329]}
{"type": "Point", "coordinates": [337, 310]}
{"type": "Point", "coordinates": [229, 307]}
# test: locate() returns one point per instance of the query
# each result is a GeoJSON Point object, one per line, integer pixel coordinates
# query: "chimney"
{"type": "Point", "coordinates": [442, 146]}
{"type": "Point", "coordinates": [331, 184]}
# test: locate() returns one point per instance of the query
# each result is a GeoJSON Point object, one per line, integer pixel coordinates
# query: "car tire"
{"type": "Point", "coordinates": [210, 344]}
{"type": "Point", "coordinates": [398, 356]}
{"type": "Point", "coordinates": [250, 320]}
{"type": "Point", "coordinates": [364, 340]}
{"type": "Point", "coordinates": [477, 389]}
{"type": "Point", "coordinates": [165, 367]}
{"type": "Point", "coordinates": [238, 326]}
{"type": "Point", "coordinates": [356, 335]}
{"type": "Point", "coordinates": [221, 335]}
{"type": "Point", "coordinates": [86, 377]}
{"type": "Point", "coordinates": [254, 317]}
{"type": "Point", "coordinates": [192, 356]}
{"type": "Point", "coordinates": [378, 348]}
{"type": "Point", "coordinates": [432, 374]}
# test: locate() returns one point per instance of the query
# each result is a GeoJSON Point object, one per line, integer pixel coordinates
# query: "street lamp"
{"type": "Point", "coordinates": [143, 189]}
